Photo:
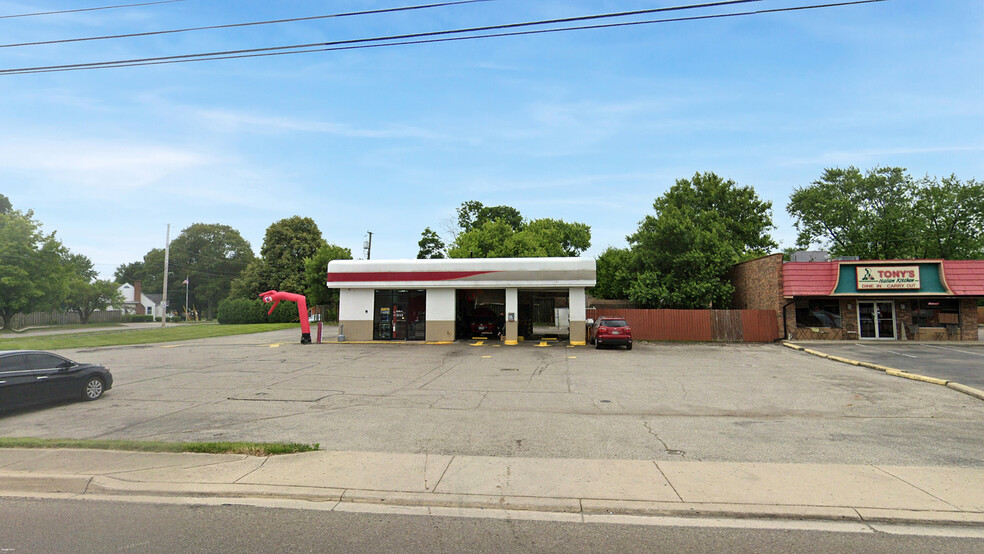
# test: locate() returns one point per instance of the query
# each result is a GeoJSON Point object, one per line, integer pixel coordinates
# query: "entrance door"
{"type": "Point", "coordinates": [876, 320]}
{"type": "Point", "coordinates": [399, 315]}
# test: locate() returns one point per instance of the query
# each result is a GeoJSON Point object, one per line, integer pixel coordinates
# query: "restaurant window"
{"type": "Point", "coordinates": [818, 313]}
{"type": "Point", "coordinates": [936, 313]}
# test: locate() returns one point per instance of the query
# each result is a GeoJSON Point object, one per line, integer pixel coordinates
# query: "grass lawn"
{"type": "Point", "coordinates": [250, 448]}
{"type": "Point", "coordinates": [136, 336]}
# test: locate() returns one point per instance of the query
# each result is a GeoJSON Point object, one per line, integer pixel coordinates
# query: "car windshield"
{"type": "Point", "coordinates": [613, 323]}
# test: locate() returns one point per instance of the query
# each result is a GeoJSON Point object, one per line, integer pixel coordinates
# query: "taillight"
{"type": "Point", "coordinates": [602, 329]}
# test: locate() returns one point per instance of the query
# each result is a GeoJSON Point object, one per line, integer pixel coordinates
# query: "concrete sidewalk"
{"type": "Point", "coordinates": [860, 493]}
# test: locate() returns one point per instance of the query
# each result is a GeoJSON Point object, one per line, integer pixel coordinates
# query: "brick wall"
{"type": "Point", "coordinates": [968, 319]}
{"type": "Point", "coordinates": [758, 285]}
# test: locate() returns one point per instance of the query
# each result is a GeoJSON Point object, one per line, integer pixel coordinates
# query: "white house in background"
{"type": "Point", "coordinates": [137, 303]}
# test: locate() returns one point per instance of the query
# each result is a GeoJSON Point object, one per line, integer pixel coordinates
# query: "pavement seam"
{"type": "Point", "coordinates": [895, 372]}
{"type": "Point", "coordinates": [443, 473]}
{"type": "Point", "coordinates": [931, 495]}
{"type": "Point", "coordinates": [263, 463]}
{"type": "Point", "coordinates": [660, 470]}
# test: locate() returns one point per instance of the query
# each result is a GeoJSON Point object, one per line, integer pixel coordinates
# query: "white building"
{"type": "Point", "coordinates": [435, 300]}
{"type": "Point", "coordinates": [136, 302]}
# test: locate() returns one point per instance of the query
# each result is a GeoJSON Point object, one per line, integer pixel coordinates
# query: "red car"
{"type": "Point", "coordinates": [484, 323]}
{"type": "Point", "coordinates": [610, 331]}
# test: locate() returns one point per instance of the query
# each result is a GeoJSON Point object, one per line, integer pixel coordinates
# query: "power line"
{"type": "Point", "coordinates": [246, 24]}
{"type": "Point", "coordinates": [400, 40]}
{"type": "Point", "coordinates": [90, 9]}
{"type": "Point", "coordinates": [236, 53]}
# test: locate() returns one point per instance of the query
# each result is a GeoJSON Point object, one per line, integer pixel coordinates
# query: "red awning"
{"type": "Point", "coordinates": [808, 278]}
{"type": "Point", "coordinates": [964, 277]}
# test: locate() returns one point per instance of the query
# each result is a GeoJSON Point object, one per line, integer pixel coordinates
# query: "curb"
{"type": "Point", "coordinates": [976, 393]}
{"type": "Point", "coordinates": [13, 484]}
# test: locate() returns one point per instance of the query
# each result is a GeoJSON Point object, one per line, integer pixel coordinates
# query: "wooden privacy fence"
{"type": "Point", "coordinates": [697, 325]}
{"type": "Point", "coordinates": [58, 317]}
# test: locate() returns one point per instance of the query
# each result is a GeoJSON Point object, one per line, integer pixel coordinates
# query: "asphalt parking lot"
{"type": "Point", "coordinates": [700, 402]}
{"type": "Point", "coordinates": [960, 362]}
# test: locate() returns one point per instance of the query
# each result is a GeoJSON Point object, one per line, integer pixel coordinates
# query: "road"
{"type": "Point", "coordinates": [963, 363]}
{"type": "Point", "coordinates": [55, 525]}
{"type": "Point", "coordinates": [688, 402]}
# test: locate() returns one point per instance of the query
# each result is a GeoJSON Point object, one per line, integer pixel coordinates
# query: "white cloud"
{"type": "Point", "coordinates": [101, 167]}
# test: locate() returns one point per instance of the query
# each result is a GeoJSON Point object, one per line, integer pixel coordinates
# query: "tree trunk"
{"type": "Point", "coordinates": [8, 321]}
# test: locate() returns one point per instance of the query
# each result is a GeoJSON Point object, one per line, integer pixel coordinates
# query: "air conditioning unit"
{"type": "Point", "coordinates": [809, 256]}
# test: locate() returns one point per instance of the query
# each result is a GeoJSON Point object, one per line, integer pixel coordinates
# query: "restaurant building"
{"type": "Point", "coordinates": [924, 300]}
{"type": "Point", "coordinates": [434, 300]}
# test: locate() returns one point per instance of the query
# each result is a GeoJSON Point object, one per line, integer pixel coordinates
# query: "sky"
{"type": "Point", "coordinates": [587, 126]}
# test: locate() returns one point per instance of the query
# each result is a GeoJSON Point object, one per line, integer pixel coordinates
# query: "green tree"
{"type": "Point", "coordinates": [538, 238]}
{"type": "Point", "coordinates": [85, 293]}
{"type": "Point", "coordinates": [33, 272]}
{"type": "Point", "coordinates": [316, 272]}
{"type": "Point", "coordinates": [614, 274]}
{"type": "Point", "coordinates": [286, 245]}
{"type": "Point", "coordinates": [951, 214]}
{"type": "Point", "coordinates": [702, 226]}
{"type": "Point", "coordinates": [210, 256]}
{"type": "Point", "coordinates": [130, 273]}
{"type": "Point", "coordinates": [431, 245]}
{"type": "Point", "coordinates": [871, 215]}
{"type": "Point", "coordinates": [473, 214]}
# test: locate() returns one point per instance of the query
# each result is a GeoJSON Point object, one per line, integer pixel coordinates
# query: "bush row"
{"type": "Point", "coordinates": [241, 310]}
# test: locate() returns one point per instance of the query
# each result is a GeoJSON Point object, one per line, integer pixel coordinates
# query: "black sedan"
{"type": "Point", "coordinates": [29, 377]}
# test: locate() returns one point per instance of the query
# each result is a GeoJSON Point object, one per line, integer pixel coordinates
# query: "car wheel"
{"type": "Point", "coordinates": [93, 388]}
{"type": "Point", "coordinates": [628, 346]}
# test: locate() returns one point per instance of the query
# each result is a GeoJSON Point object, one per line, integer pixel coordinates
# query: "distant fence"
{"type": "Point", "coordinates": [58, 317]}
{"type": "Point", "coordinates": [980, 315]}
{"type": "Point", "coordinates": [697, 325]}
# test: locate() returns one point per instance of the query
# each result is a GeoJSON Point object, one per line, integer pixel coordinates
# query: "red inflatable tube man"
{"type": "Point", "coordinates": [276, 297]}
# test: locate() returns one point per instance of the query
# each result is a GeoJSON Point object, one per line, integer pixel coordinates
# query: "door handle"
{"type": "Point", "coordinates": [42, 377]}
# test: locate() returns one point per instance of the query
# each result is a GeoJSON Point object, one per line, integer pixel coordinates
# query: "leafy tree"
{"type": "Point", "coordinates": [286, 245]}
{"type": "Point", "coordinates": [614, 273]}
{"type": "Point", "coordinates": [316, 271]}
{"type": "Point", "coordinates": [473, 214]}
{"type": "Point", "coordinates": [681, 260]}
{"type": "Point", "coordinates": [32, 265]}
{"type": "Point", "coordinates": [86, 294]}
{"type": "Point", "coordinates": [431, 245]}
{"type": "Point", "coordinates": [681, 255]}
{"type": "Point", "coordinates": [538, 238]}
{"type": "Point", "coordinates": [850, 213]}
{"type": "Point", "coordinates": [210, 256]}
{"type": "Point", "coordinates": [951, 215]}
{"type": "Point", "coordinates": [130, 273]}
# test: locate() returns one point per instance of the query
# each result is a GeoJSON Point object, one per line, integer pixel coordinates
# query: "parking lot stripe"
{"type": "Point", "coordinates": [479, 343]}
{"type": "Point", "coordinates": [954, 350]}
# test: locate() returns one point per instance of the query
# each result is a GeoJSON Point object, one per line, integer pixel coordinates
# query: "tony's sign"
{"type": "Point", "coordinates": [888, 277]}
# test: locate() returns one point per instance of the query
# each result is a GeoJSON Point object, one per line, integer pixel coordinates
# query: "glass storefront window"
{"type": "Point", "coordinates": [936, 313]}
{"type": "Point", "coordinates": [818, 313]}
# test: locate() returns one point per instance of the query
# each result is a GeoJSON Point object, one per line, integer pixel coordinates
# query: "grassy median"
{"type": "Point", "coordinates": [176, 332]}
{"type": "Point", "coordinates": [248, 448]}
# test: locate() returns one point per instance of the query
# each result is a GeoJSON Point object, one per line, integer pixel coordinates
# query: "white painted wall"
{"type": "Point", "coordinates": [356, 304]}
{"type": "Point", "coordinates": [440, 304]}
{"type": "Point", "coordinates": [577, 304]}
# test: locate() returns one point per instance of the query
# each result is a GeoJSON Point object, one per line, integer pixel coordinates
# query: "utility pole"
{"type": "Point", "coordinates": [369, 246]}
{"type": "Point", "coordinates": [167, 253]}
{"type": "Point", "coordinates": [187, 285]}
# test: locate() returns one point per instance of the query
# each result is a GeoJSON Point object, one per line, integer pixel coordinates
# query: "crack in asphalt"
{"type": "Point", "coordinates": [667, 449]}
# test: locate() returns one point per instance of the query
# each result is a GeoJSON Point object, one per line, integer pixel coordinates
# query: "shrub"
{"type": "Point", "coordinates": [240, 310]}
{"type": "Point", "coordinates": [138, 318]}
